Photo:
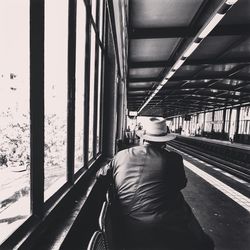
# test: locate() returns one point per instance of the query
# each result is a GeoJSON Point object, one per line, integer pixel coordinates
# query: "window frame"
{"type": "Point", "coordinates": [39, 207]}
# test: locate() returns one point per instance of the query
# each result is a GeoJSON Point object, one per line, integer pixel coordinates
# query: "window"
{"type": "Point", "coordinates": [193, 124]}
{"type": "Point", "coordinates": [14, 116]}
{"type": "Point", "coordinates": [101, 12]}
{"type": "Point", "coordinates": [80, 74]}
{"type": "Point", "coordinates": [21, 124]}
{"type": "Point", "coordinates": [93, 9]}
{"type": "Point", "coordinates": [201, 123]}
{"type": "Point", "coordinates": [244, 122]}
{"type": "Point", "coordinates": [208, 122]}
{"type": "Point", "coordinates": [218, 120]}
{"type": "Point", "coordinates": [227, 120]}
{"type": "Point", "coordinates": [233, 120]}
{"type": "Point", "coordinates": [56, 48]}
{"type": "Point", "coordinates": [92, 92]}
{"type": "Point", "coordinates": [99, 92]}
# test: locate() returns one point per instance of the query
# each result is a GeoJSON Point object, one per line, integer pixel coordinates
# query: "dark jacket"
{"type": "Point", "coordinates": [148, 180]}
{"type": "Point", "coordinates": [152, 211]}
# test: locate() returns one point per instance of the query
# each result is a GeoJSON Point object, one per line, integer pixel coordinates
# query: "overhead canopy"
{"type": "Point", "coordinates": [215, 75]}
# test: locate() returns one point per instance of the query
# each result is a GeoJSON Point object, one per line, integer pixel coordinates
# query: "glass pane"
{"type": "Point", "coordinates": [80, 63]}
{"type": "Point", "coordinates": [101, 19]}
{"type": "Point", "coordinates": [208, 122]}
{"type": "Point", "coordinates": [233, 118]}
{"type": "Point", "coordinates": [93, 9]}
{"type": "Point", "coordinates": [99, 101]}
{"type": "Point", "coordinates": [14, 115]}
{"type": "Point", "coordinates": [244, 120]}
{"type": "Point", "coordinates": [227, 121]}
{"type": "Point", "coordinates": [91, 92]}
{"type": "Point", "coordinates": [56, 37]}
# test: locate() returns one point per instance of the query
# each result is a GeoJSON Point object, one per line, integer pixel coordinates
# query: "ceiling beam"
{"type": "Point", "coordinates": [195, 98]}
{"type": "Point", "coordinates": [211, 95]}
{"type": "Point", "coordinates": [201, 62]}
{"type": "Point", "coordinates": [141, 85]}
{"type": "Point", "coordinates": [149, 79]}
{"type": "Point", "coordinates": [167, 32]}
{"type": "Point", "coordinates": [186, 32]}
{"type": "Point", "coordinates": [218, 77]}
{"type": "Point", "coordinates": [181, 106]}
{"type": "Point", "coordinates": [200, 85]}
{"type": "Point", "coordinates": [138, 92]}
{"type": "Point", "coordinates": [192, 103]}
{"type": "Point", "coordinates": [208, 95]}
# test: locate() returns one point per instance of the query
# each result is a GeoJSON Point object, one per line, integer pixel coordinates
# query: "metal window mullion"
{"type": "Point", "coordinates": [229, 122]}
{"type": "Point", "coordinates": [237, 121]}
{"type": "Point", "coordinates": [111, 14]}
{"type": "Point", "coordinates": [104, 21]}
{"type": "Point", "coordinates": [37, 105]}
{"type": "Point", "coordinates": [102, 65]}
{"type": "Point", "coordinates": [102, 28]}
{"type": "Point", "coordinates": [103, 56]}
{"type": "Point", "coordinates": [223, 121]}
{"type": "Point", "coordinates": [96, 82]}
{"type": "Point", "coordinates": [71, 90]}
{"type": "Point", "coordinates": [95, 100]}
{"type": "Point", "coordinates": [87, 85]}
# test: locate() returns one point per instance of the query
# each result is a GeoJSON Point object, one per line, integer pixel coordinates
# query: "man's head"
{"type": "Point", "coordinates": [156, 131]}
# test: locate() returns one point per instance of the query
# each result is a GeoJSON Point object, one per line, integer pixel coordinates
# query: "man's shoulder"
{"type": "Point", "coordinates": [130, 150]}
{"type": "Point", "coordinates": [173, 155]}
{"type": "Point", "coordinates": [121, 153]}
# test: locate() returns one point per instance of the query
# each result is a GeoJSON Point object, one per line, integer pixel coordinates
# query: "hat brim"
{"type": "Point", "coordinates": [163, 138]}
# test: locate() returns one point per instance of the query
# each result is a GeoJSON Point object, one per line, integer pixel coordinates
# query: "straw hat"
{"type": "Point", "coordinates": [156, 131]}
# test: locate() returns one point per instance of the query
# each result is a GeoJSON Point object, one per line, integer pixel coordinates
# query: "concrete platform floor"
{"type": "Point", "coordinates": [227, 143]}
{"type": "Point", "coordinates": [222, 211]}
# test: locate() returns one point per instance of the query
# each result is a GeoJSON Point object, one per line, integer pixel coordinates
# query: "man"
{"type": "Point", "coordinates": [147, 181]}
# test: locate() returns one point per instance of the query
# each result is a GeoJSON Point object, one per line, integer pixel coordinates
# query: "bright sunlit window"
{"type": "Point", "coordinates": [80, 84]}
{"type": "Point", "coordinates": [98, 132]}
{"type": "Point", "coordinates": [91, 92]}
{"type": "Point", "coordinates": [14, 116]}
{"type": "Point", "coordinates": [56, 48]}
{"type": "Point", "coordinates": [93, 9]}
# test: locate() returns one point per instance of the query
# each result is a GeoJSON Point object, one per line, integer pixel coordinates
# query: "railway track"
{"type": "Point", "coordinates": [236, 169]}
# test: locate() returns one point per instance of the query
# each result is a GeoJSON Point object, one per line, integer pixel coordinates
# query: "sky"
{"type": "Point", "coordinates": [14, 54]}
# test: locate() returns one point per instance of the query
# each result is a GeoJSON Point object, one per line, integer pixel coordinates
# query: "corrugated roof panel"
{"type": "Point", "coordinates": [152, 49]}
{"type": "Point", "coordinates": [145, 72]}
{"type": "Point", "coordinates": [162, 13]}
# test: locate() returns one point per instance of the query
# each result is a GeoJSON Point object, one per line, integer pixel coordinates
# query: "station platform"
{"type": "Point", "coordinates": [216, 141]}
{"type": "Point", "coordinates": [220, 202]}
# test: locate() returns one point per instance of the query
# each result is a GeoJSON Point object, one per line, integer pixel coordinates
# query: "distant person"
{"type": "Point", "coordinates": [140, 127]}
{"type": "Point", "coordinates": [198, 129]}
{"type": "Point", "coordinates": [139, 133]}
{"type": "Point", "coordinates": [231, 133]}
{"type": "Point", "coordinates": [128, 135]}
{"type": "Point", "coordinates": [148, 180]}
{"type": "Point", "coordinates": [168, 130]}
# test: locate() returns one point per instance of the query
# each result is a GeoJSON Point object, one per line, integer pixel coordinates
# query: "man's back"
{"type": "Point", "coordinates": [148, 180]}
{"type": "Point", "coordinates": [152, 212]}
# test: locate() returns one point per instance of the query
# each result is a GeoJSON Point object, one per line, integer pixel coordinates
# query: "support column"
{"type": "Point", "coordinates": [37, 105]}
{"type": "Point", "coordinates": [229, 123]}
{"type": "Point", "coordinates": [120, 109]}
{"type": "Point", "coordinates": [212, 127]}
{"type": "Point", "coordinates": [71, 92]}
{"type": "Point", "coordinates": [223, 120]}
{"type": "Point", "coordinates": [87, 87]}
{"type": "Point", "coordinates": [110, 97]}
{"type": "Point", "coordinates": [203, 126]}
{"type": "Point", "coordinates": [237, 123]}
